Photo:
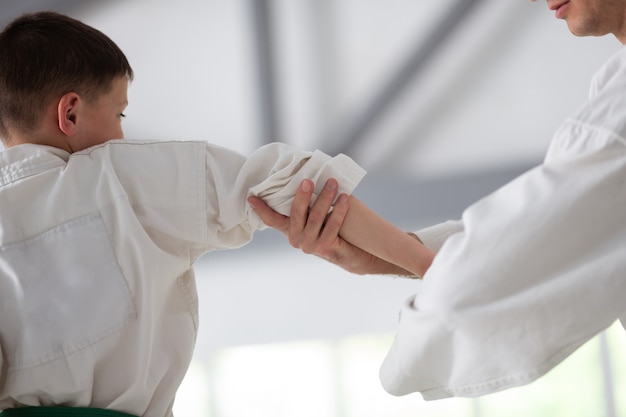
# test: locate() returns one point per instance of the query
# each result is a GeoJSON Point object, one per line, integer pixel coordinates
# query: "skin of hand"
{"type": "Point", "coordinates": [316, 230]}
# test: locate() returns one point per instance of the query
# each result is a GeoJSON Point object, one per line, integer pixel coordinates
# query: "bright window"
{"type": "Point", "coordinates": [339, 378]}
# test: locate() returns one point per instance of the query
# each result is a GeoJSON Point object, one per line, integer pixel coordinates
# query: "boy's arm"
{"type": "Point", "coordinates": [368, 231]}
{"type": "Point", "coordinates": [351, 236]}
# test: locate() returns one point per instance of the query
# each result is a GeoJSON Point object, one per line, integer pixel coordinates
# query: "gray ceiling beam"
{"type": "Point", "coordinates": [348, 140]}
{"type": "Point", "coordinates": [266, 71]}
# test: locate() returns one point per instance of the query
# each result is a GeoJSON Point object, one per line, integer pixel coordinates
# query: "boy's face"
{"type": "Point", "coordinates": [101, 120]}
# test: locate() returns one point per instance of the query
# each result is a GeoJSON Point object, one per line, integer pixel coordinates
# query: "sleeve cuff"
{"type": "Point", "coordinates": [433, 237]}
{"type": "Point", "coordinates": [319, 168]}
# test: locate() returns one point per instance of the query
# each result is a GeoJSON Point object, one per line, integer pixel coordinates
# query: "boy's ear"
{"type": "Point", "coordinates": [67, 113]}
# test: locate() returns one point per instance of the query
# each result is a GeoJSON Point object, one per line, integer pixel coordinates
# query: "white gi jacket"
{"type": "Point", "coordinates": [98, 304]}
{"type": "Point", "coordinates": [532, 271]}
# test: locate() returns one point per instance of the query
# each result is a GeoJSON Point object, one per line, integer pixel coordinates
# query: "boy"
{"type": "Point", "coordinates": [98, 235]}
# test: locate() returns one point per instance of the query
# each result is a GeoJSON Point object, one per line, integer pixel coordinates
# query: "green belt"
{"type": "Point", "coordinates": [61, 412]}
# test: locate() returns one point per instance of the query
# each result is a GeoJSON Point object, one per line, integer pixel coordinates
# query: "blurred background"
{"type": "Point", "coordinates": [442, 101]}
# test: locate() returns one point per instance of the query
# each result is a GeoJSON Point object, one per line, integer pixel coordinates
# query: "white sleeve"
{"type": "Point", "coordinates": [191, 197]}
{"type": "Point", "coordinates": [538, 269]}
{"type": "Point", "coordinates": [273, 172]}
{"type": "Point", "coordinates": [433, 237]}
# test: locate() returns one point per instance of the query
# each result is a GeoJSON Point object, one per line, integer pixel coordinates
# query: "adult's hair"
{"type": "Point", "coordinates": [46, 55]}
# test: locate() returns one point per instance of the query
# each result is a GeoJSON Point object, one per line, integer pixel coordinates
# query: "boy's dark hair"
{"type": "Point", "coordinates": [46, 55]}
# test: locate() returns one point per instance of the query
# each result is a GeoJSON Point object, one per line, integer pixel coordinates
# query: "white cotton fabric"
{"type": "Point", "coordinates": [532, 272]}
{"type": "Point", "coordinates": [98, 304]}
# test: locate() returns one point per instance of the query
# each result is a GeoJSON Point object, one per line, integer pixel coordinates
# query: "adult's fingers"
{"type": "Point", "coordinates": [269, 216]}
{"type": "Point", "coordinates": [319, 210]}
{"type": "Point", "coordinates": [335, 219]}
{"type": "Point", "coordinates": [299, 214]}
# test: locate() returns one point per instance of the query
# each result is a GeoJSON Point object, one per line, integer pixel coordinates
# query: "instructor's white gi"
{"type": "Point", "coordinates": [532, 271]}
{"type": "Point", "coordinates": [98, 304]}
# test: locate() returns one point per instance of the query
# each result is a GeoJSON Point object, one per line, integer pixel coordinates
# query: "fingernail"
{"type": "Point", "coordinates": [306, 186]}
{"type": "Point", "coordinates": [331, 185]}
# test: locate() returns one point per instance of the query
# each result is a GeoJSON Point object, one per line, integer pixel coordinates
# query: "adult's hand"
{"type": "Point", "coordinates": [315, 230]}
